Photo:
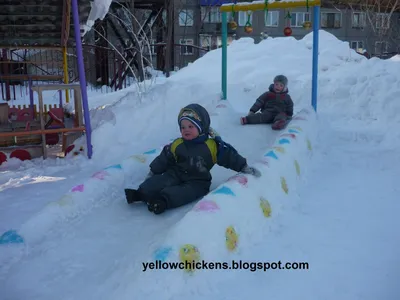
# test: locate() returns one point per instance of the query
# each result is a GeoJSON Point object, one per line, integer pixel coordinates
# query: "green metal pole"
{"type": "Point", "coordinates": [224, 55]}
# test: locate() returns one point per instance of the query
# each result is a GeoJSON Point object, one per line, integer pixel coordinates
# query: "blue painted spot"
{"type": "Point", "coordinates": [162, 253]}
{"type": "Point", "coordinates": [224, 190]}
{"type": "Point", "coordinates": [150, 151]}
{"type": "Point", "coordinates": [271, 154]}
{"type": "Point", "coordinates": [11, 237]}
{"type": "Point", "coordinates": [284, 141]}
{"type": "Point", "coordinates": [118, 166]}
{"type": "Point", "coordinates": [293, 131]}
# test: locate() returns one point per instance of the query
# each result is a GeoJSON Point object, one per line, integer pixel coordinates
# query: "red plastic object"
{"type": "Point", "coordinates": [21, 154]}
{"type": "Point", "coordinates": [3, 158]}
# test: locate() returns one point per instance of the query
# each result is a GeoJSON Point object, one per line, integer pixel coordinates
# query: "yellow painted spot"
{"type": "Point", "coordinates": [309, 146]}
{"type": "Point", "coordinates": [232, 238]}
{"type": "Point", "coordinates": [284, 185]}
{"type": "Point", "coordinates": [279, 149]}
{"type": "Point", "coordinates": [189, 255]}
{"type": "Point", "coordinates": [266, 207]}
{"type": "Point", "coordinates": [139, 158]}
{"type": "Point", "coordinates": [63, 201]}
{"type": "Point", "coordinates": [296, 164]}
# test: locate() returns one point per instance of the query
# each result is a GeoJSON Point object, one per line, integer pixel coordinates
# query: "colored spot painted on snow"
{"type": "Point", "coordinates": [100, 175]}
{"type": "Point", "coordinates": [296, 128]}
{"type": "Point", "coordinates": [284, 141]}
{"type": "Point", "coordinates": [11, 237]}
{"type": "Point", "coordinates": [241, 179]}
{"type": "Point", "coordinates": [118, 167]}
{"type": "Point", "coordinates": [279, 149]}
{"type": "Point", "coordinates": [224, 190]}
{"type": "Point", "coordinates": [293, 131]}
{"type": "Point", "coordinates": [78, 188]}
{"type": "Point", "coordinates": [309, 146]}
{"type": "Point", "coordinates": [150, 151]}
{"type": "Point", "coordinates": [187, 254]}
{"type": "Point", "coordinates": [291, 135]}
{"type": "Point", "coordinates": [264, 161]}
{"type": "Point", "coordinates": [271, 154]}
{"type": "Point", "coordinates": [265, 207]}
{"type": "Point", "coordinates": [162, 253]}
{"type": "Point", "coordinates": [284, 185]}
{"type": "Point", "coordinates": [299, 118]}
{"type": "Point", "coordinates": [139, 158]}
{"type": "Point", "coordinates": [64, 201]}
{"type": "Point", "coordinates": [231, 238]}
{"type": "Point", "coordinates": [206, 205]}
{"type": "Point", "coordinates": [297, 166]}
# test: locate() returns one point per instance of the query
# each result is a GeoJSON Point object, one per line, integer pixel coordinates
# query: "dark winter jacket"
{"type": "Point", "coordinates": [274, 102]}
{"type": "Point", "coordinates": [193, 160]}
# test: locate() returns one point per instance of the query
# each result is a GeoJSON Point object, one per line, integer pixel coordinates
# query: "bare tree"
{"type": "Point", "coordinates": [380, 20]}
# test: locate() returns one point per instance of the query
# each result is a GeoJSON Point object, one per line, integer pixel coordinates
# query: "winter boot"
{"type": "Point", "coordinates": [278, 125]}
{"type": "Point", "coordinates": [132, 196]}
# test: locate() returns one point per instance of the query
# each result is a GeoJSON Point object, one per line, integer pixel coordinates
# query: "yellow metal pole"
{"type": "Point", "coordinates": [65, 66]}
{"type": "Point", "coordinates": [260, 5]}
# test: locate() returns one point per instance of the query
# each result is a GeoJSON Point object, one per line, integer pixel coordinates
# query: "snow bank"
{"type": "Point", "coordinates": [234, 217]}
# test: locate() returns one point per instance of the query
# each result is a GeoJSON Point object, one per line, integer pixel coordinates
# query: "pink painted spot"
{"type": "Point", "coordinates": [206, 205]}
{"type": "Point", "coordinates": [100, 175]}
{"type": "Point", "coordinates": [299, 118]}
{"type": "Point", "coordinates": [264, 162]}
{"type": "Point", "coordinates": [78, 188]}
{"type": "Point", "coordinates": [239, 178]}
{"type": "Point", "coordinates": [293, 136]}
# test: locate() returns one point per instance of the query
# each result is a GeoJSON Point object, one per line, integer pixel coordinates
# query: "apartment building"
{"type": "Point", "coordinates": [198, 23]}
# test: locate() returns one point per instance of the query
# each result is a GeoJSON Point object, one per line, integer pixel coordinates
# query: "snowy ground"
{"type": "Point", "coordinates": [343, 226]}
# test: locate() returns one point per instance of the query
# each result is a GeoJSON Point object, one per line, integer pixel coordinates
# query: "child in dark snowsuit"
{"type": "Point", "coordinates": [181, 173]}
{"type": "Point", "coordinates": [276, 106]}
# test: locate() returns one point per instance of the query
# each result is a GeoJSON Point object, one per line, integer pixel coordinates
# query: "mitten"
{"type": "Point", "coordinates": [251, 170]}
{"type": "Point", "coordinates": [243, 120]}
{"type": "Point", "coordinates": [157, 206]}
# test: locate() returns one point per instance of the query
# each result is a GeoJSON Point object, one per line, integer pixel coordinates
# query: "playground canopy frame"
{"type": "Point", "coordinates": [272, 4]}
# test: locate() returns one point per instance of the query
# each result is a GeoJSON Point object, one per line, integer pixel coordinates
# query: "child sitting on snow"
{"type": "Point", "coordinates": [181, 173]}
{"type": "Point", "coordinates": [276, 106]}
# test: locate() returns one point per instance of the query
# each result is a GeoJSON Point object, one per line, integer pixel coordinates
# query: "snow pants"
{"type": "Point", "coordinates": [265, 118]}
{"type": "Point", "coordinates": [173, 190]}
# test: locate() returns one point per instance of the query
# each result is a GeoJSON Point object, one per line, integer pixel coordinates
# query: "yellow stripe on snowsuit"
{"type": "Point", "coordinates": [211, 144]}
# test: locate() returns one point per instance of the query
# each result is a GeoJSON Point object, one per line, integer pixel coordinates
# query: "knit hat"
{"type": "Point", "coordinates": [192, 116]}
{"type": "Point", "coordinates": [282, 79]}
{"type": "Point", "coordinates": [196, 114]}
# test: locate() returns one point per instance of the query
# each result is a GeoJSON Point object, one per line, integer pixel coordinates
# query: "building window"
{"type": "Point", "coordinates": [357, 45]}
{"type": "Point", "coordinates": [272, 19]}
{"type": "Point", "coordinates": [298, 18]}
{"type": "Point", "coordinates": [331, 20]}
{"type": "Point", "coordinates": [244, 17]}
{"type": "Point", "coordinates": [381, 47]}
{"type": "Point", "coordinates": [186, 46]}
{"type": "Point", "coordinates": [205, 43]}
{"type": "Point", "coordinates": [210, 14]}
{"type": "Point", "coordinates": [382, 21]}
{"type": "Point", "coordinates": [186, 17]}
{"type": "Point", "coordinates": [358, 20]}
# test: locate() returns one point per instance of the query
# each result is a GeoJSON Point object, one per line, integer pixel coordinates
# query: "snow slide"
{"type": "Point", "coordinates": [226, 224]}
{"type": "Point", "coordinates": [59, 233]}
